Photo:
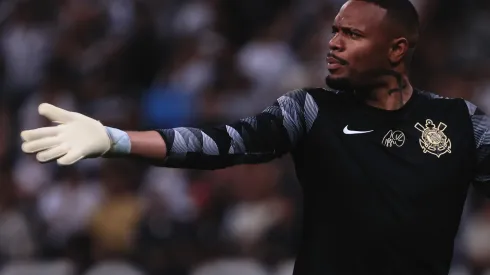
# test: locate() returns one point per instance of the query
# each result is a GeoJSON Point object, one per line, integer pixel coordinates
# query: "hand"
{"type": "Point", "coordinates": [76, 137]}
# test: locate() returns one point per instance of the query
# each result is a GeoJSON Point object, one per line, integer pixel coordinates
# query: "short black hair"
{"type": "Point", "coordinates": [404, 15]}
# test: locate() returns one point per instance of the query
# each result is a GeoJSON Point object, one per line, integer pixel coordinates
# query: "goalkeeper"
{"type": "Point", "coordinates": [384, 167]}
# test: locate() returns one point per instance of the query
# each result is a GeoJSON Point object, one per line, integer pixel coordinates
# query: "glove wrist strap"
{"type": "Point", "coordinates": [120, 142]}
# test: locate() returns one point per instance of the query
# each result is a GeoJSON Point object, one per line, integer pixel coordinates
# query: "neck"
{"type": "Point", "coordinates": [391, 96]}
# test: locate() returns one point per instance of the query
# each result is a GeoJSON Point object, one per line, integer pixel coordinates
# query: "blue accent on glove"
{"type": "Point", "coordinates": [120, 142]}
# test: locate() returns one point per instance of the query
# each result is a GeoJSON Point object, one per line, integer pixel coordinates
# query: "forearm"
{"type": "Point", "coordinates": [147, 144]}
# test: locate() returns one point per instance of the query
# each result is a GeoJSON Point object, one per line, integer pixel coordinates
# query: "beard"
{"type": "Point", "coordinates": [340, 83]}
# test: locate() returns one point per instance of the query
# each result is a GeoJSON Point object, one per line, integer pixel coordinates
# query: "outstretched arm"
{"type": "Point", "coordinates": [261, 138]}
{"type": "Point", "coordinates": [481, 130]}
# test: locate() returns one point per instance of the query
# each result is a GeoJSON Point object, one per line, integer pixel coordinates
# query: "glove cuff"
{"type": "Point", "coordinates": [120, 142]}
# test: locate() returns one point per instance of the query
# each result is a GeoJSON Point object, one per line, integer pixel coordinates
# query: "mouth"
{"type": "Point", "coordinates": [334, 63]}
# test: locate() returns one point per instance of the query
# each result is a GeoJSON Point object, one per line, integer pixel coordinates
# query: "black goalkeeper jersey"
{"type": "Point", "coordinates": [383, 190]}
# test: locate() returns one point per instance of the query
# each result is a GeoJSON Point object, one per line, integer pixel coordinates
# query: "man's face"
{"type": "Point", "coordinates": [359, 46]}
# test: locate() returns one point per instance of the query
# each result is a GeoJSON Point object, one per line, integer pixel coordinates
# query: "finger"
{"type": "Point", "coordinates": [53, 153]}
{"type": "Point", "coordinates": [54, 113]}
{"type": "Point", "coordinates": [40, 144]}
{"type": "Point", "coordinates": [70, 158]}
{"type": "Point", "coordinates": [38, 133]}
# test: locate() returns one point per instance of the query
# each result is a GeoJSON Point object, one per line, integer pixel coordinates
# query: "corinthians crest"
{"type": "Point", "coordinates": [433, 139]}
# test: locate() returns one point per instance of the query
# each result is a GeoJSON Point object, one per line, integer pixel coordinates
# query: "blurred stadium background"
{"type": "Point", "coordinates": [141, 64]}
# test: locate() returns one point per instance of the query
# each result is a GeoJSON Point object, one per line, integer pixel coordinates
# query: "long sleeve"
{"type": "Point", "coordinates": [481, 130]}
{"type": "Point", "coordinates": [257, 139]}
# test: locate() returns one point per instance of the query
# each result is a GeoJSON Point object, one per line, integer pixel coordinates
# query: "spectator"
{"type": "Point", "coordinates": [16, 239]}
{"type": "Point", "coordinates": [138, 64]}
{"type": "Point", "coordinates": [113, 224]}
{"type": "Point", "coordinates": [66, 206]}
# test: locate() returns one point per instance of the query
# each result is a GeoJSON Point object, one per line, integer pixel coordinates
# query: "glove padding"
{"type": "Point", "coordinates": [76, 137]}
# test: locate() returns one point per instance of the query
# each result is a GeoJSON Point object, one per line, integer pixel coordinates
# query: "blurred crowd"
{"type": "Point", "coordinates": [143, 64]}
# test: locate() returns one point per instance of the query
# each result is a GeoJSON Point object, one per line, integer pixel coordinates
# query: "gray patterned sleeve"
{"type": "Point", "coordinates": [481, 130]}
{"type": "Point", "coordinates": [261, 138]}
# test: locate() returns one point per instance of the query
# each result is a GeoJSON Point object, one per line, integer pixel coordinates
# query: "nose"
{"type": "Point", "coordinates": [335, 43]}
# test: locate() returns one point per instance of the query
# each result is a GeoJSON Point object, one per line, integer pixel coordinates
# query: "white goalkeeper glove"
{"type": "Point", "coordinates": [76, 137]}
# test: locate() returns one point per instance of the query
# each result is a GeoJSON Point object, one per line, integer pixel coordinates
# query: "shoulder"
{"type": "Point", "coordinates": [304, 98]}
{"type": "Point", "coordinates": [305, 92]}
{"type": "Point", "coordinates": [459, 102]}
{"type": "Point", "coordinates": [313, 96]}
{"type": "Point", "coordinates": [431, 96]}
{"type": "Point", "coordinates": [313, 91]}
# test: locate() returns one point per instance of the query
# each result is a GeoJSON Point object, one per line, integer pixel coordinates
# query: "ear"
{"type": "Point", "coordinates": [398, 50]}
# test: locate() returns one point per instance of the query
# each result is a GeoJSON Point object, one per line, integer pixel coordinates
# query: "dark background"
{"type": "Point", "coordinates": [164, 63]}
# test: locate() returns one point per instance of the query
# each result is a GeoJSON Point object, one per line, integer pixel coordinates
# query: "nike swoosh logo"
{"type": "Point", "coordinates": [349, 132]}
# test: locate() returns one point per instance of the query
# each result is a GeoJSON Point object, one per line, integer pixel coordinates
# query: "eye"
{"type": "Point", "coordinates": [353, 35]}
